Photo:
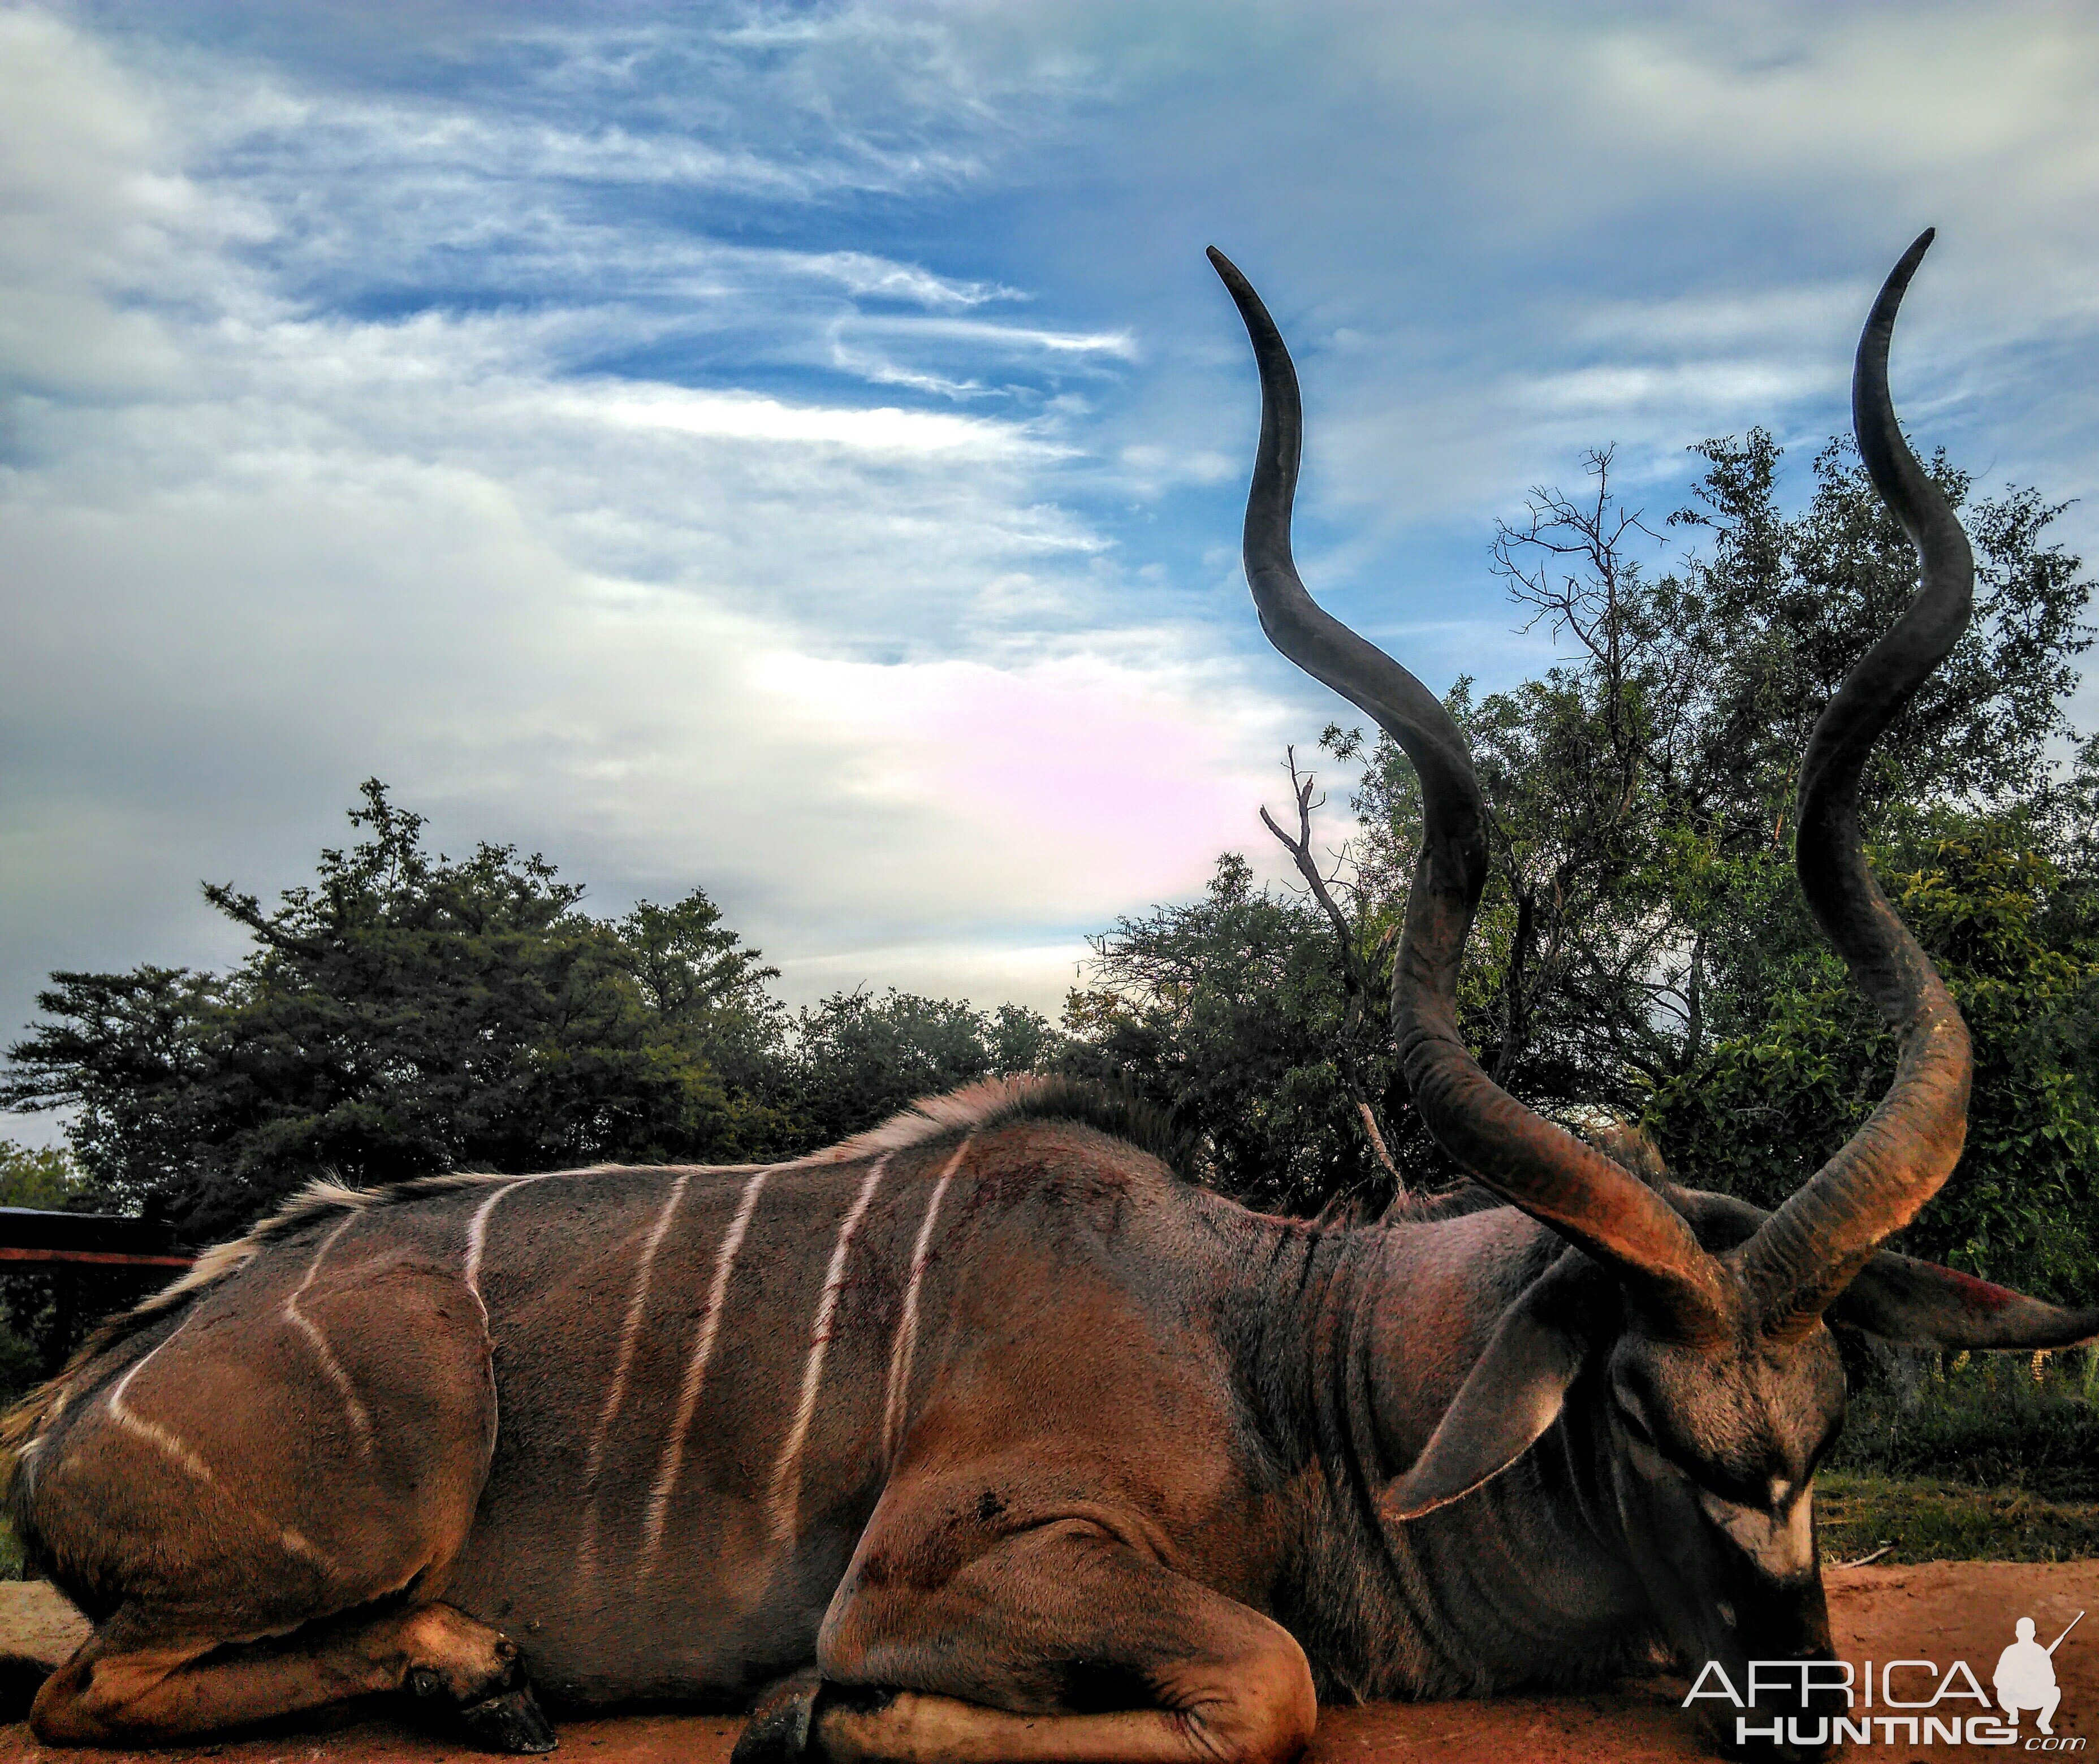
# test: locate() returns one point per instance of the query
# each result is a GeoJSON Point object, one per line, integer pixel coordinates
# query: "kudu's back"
{"type": "Point", "coordinates": [641, 1418]}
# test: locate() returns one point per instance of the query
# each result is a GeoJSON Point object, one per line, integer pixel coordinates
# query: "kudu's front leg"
{"type": "Point", "coordinates": [1059, 1643]}
{"type": "Point", "coordinates": [116, 1690]}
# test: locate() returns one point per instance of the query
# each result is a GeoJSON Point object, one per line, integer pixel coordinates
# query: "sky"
{"type": "Point", "coordinates": [798, 450]}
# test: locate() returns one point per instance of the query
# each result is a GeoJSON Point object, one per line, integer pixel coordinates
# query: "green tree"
{"type": "Point", "coordinates": [1640, 898]}
{"type": "Point", "coordinates": [1779, 610]}
{"type": "Point", "coordinates": [1231, 1014]}
{"type": "Point", "coordinates": [1641, 930]}
{"type": "Point", "coordinates": [39, 1306]}
{"type": "Point", "coordinates": [407, 1013]}
{"type": "Point", "coordinates": [2017, 941]}
{"type": "Point", "coordinates": [857, 1059]}
{"type": "Point", "coordinates": [41, 1177]}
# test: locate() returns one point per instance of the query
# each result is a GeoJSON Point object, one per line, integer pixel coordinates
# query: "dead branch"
{"type": "Point", "coordinates": [1356, 980]}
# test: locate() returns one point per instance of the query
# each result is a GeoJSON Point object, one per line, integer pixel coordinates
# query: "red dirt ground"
{"type": "Point", "coordinates": [1938, 1611]}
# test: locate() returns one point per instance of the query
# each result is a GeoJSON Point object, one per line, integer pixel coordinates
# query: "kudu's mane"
{"type": "Point", "coordinates": [975, 1108]}
{"type": "Point", "coordinates": [991, 1103]}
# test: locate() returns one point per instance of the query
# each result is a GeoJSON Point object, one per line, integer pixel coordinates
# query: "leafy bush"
{"type": "Point", "coordinates": [1229, 1014]}
{"type": "Point", "coordinates": [2018, 944]}
{"type": "Point", "coordinates": [1984, 1419]}
{"type": "Point", "coordinates": [858, 1058]}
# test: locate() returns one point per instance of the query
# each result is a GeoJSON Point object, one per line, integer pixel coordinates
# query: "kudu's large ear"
{"type": "Point", "coordinates": [1921, 1304]}
{"type": "Point", "coordinates": [1927, 1306]}
{"type": "Point", "coordinates": [1514, 1392]}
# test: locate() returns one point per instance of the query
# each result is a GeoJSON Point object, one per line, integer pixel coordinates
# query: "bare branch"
{"type": "Point", "coordinates": [1378, 1145]}
{"type": "Point", "coordinates": [1356, 979]}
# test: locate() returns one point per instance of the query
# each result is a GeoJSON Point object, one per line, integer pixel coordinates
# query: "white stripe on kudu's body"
{"type": "Point", "coordinates": [477, 1240]}
{"type": "Point", "coordinates": [787, 1473]}
{"type": "Point", "coordinates": [630, 1336]}
{"type": "Point", "coordinates": [696, 1372]}
{"type": "Point", "coordinates": [477, 1232]}
{"type": "Point", "coordinates": [907, 1330]}
{"type": "Point", "coordinates": [360, 1418]}
{"type": "Point", "coordinates": [170, 1443]}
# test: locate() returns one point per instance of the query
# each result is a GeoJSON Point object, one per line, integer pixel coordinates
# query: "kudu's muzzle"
{"type": "Point", "coordinates": [1768, 1634]}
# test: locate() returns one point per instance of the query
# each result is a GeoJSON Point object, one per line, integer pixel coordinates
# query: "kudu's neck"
{"type": "Point", "coordinates": [1360, 1338]}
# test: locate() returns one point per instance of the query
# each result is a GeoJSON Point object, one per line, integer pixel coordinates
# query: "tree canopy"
{"type": "Point", "coordinates": [1231, 1014]}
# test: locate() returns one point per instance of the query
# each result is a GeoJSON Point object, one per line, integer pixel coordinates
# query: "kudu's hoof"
{"type": "Point", "coordinates": [510, 1721]}
{"type": "Point", "coordinates": [780, 1721]}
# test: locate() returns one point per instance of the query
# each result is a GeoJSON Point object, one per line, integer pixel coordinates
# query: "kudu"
{"type": "Point", "coordinates": [988, 1437]}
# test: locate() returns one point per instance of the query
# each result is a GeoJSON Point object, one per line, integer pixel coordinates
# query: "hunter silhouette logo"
{"type": "Point", "coordinates": [1897, 1702]}
{"type": "Point", "coordinates": [2026, 1675]}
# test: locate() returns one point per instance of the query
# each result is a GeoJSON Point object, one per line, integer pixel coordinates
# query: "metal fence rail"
{"type": "Point", "coordinates": [87, 1240]}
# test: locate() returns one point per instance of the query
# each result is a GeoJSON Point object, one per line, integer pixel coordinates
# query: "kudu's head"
{"type": "Point", "coordinates": [1700, 1323]}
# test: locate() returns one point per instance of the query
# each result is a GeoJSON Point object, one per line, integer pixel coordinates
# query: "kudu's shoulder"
{"type": "Point", "coordinates": [1035, 1152]}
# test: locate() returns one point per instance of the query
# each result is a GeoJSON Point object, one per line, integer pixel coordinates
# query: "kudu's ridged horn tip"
{"type": "Point", "coordinates": [1806, 1253]}
{"type": "Point", "coordinates": [1563, 1183]}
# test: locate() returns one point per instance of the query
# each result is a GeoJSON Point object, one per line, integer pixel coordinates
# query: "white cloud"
{"type": "Point", "coordinates": [1707, 392]}
{"type": "Point", "coordinates": [1012, 337]}
{"type": "Point", "coordinates": [841, 664]}
{"type": "Point", "coordinates": [738, 417]}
